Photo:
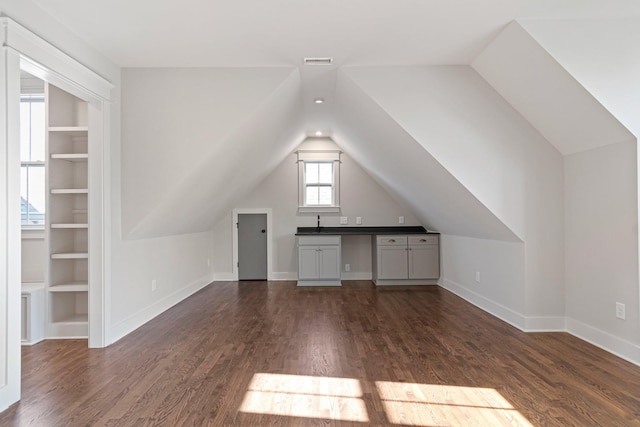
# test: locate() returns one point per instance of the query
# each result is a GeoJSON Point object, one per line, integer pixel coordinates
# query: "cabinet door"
{"type": "Point", "coordinates": [392, 262]}
{"type": "Point", "coordinates": [330, 262]}
{"type": "Point", "coordinates": [308, 262]}
{"type": "Point", "coordinates": [424, 262]}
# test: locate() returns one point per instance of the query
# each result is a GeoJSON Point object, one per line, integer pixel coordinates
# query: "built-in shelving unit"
{"type": "Point", "coordinates": [67, 283]}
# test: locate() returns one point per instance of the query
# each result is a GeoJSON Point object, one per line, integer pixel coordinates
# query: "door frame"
{"type": "Point", "coordinates": [234, 233]}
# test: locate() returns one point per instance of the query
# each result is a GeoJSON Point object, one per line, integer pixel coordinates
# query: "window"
{"type": "Point", "coordinates": [319, 181]}
{"type": "Point", "coordinates": [32, 155]}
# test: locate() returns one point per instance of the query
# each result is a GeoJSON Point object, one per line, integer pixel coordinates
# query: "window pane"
{"type": "Point", "coordinates": [25, 131]}
{"type": "Point", "coordinates": [311, 196]}
{"type": "Point", "coordinates": [325, 196]}
{"type": "Point", "coordinates": [37, 131]}
{"type": "Point", "coordinates": [32, 193]}
{"type": "Point", "coordinates": [311, 172]}
{"type": "Point", "coordinates": [325, 173]}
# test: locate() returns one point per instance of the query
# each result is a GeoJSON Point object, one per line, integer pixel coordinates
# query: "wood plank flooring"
{"type": "Point", "coordinates": [271, 354]}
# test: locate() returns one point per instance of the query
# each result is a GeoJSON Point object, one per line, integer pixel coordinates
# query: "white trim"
{"type": "Point", "coordinates": [133, 322]}
{"type": "Point", "coordinates": [285, 276]}
{"type": "Point", "coordinates": [624, 349]}
{"type": "Point", "coordinates": [49, 63]}
{"type": "Point", "coordinates": [234, 232]}
{"type": "Point", "coordinates": [545, 324]}
{"type": "Point", "coordinates": [223, 277]}
{"type": "Point", "coordinates": [498, 310]}
{"type": "Point", "coordinates": [356, 275]}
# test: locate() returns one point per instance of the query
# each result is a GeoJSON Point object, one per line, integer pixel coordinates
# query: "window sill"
{"type": "Point", "coordinates": [32, 233]}
{"type": "Point", "coordinates": [318, 209]}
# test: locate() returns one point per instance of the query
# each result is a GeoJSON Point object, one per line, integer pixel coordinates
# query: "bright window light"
{"type": "Point", "coordinates": [305, 396]}
{"type": "Point", "coordinates": [444, 405]}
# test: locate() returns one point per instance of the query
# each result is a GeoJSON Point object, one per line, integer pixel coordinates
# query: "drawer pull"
{"type": "Point", "coordinates": [392, 240]}
{"type": "Point", "coordinates": [423, 240]}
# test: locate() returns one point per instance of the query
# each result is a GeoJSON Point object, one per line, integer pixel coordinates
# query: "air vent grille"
{"type": "Point", "coordinates": [318, 61]}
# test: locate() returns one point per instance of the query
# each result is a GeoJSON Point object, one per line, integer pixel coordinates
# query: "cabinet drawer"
{"type": "Point", "coordinates": [318, 240]}
{"type": "Point", "coordinates": [423, 239]}
{"type": "Point", "coordinates": [392, 240]}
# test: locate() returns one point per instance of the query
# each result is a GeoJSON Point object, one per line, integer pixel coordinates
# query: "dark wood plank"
{"type": "Point", "coordinates": [419, 355]}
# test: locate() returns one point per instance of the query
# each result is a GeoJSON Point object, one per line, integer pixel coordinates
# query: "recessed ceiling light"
{"type": "Point", "coordinates": [318, 101]}
{"type": "Point", "coordinates": [318, 133]}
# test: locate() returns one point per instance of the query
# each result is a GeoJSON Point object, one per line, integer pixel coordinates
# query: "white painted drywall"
{"type": "Point", "coordinates": [536, 85]}
{"type": "Point", "coordinates": [34, 256]}
{"type": "Point", "coordinates": [501, 266]}
{"type": "Point", "coordinates": [602, 55]}
{"type": "Point", "coordinates": [360, 196]}
{"type": "Point", "coordinates": [196, 139]}
{"type": "Point", "coordinates": [493, 171]}
{"type": "Point", "coordinates": [601, 188]}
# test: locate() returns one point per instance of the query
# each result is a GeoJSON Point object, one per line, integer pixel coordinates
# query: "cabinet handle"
{"type": "Point", "coordinates": [392, 240]}
{"type": "Point", "coordinates": [423, 240]}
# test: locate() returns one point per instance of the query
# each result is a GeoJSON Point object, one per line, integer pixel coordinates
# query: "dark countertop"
{"type": "Point", "coordinates": [313, 231]}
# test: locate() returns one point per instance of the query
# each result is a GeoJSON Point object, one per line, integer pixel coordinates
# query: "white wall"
{"type": "Point", "coordinates": [360, 196]}
{"type": "Point", "coordinates": [601, 188]}
{"type": "Point", "coordinates": [483, 144]}
{"type": "Point", "coordinates": [34, 256]}
{"type": "Point", "coordinates": [190, 141]}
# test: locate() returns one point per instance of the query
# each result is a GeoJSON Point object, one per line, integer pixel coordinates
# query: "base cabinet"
{"type": "Point", "coordinates": [406, 260]}
{"type": "Point", "coordinates": [319, 261]}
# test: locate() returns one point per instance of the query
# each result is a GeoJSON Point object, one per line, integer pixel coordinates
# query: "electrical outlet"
{"type": "Point", "coordinates": [358, 220]}
{"type": "Point", "coordinates": [154, 285]}
{"type": "Point", "coordinates": [347, 267]}
{"type": "Point", "coordinates": [478, 276]}
{"type": "Point", "coordinates": [620, 311]}
{"type": "Point", "coordinates": [344, 220]}
{"type": "Point", "coordinates": [400, 220]}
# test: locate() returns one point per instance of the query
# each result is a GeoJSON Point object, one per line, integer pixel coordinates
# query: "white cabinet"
{"type": "Point", "coordinates": [67, 283]}
{"type": "Point", "coordinates": [406, 259]}
{"type": "Point", "coordinates": [32, 313]}
{"type": "Point", "coordinates": [319, 260]}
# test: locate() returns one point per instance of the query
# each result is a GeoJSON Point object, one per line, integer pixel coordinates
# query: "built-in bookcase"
{"type": "Point", "coordinates": [67, 283]}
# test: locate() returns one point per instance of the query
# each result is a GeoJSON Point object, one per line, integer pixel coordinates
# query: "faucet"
{"type": "Point", "coordinates": [318, 223]}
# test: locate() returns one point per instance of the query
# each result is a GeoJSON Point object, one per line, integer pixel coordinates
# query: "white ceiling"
{"type": "Point", "coordinates": [249, 33]}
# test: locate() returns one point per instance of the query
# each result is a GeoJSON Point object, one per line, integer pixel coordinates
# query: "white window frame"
{"type": "Point", "coordinates": [32, 97]}
{"type": "Point", "coordinates": [318, 156]}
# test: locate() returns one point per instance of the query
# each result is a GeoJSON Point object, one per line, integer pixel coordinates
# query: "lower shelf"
{"type": "Point", "coordinates": [73, 327]}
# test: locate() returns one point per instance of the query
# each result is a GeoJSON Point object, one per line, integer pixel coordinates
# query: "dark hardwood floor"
{"type": "Point", "coordinates": [256, 353]}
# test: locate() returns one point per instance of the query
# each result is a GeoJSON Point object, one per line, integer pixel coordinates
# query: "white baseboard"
{"type": "Point", "coordinates": [356, 275]}
{"type": "Point", "coordinates": [491, 307]}
{"type": "Point", "coordinates": [131, 323]}
{"type": "Point", "coordinates": [615, 345]}
{"type": "Point", "coordinates": [284, 276]}
{"type": "Point", "coordinates": [224, 277]}
{"type": "Point", "coordinates": [545, 324]}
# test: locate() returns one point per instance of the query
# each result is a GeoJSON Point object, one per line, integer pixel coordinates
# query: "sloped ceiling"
{"type": "Point", "coordinates": [602, 55]}
{"type": "Point", "coordinates": [405, 169]}
{"type": "Point", "coordinates": [205, 139]}
{"type": "Point", "coordinates": [531, 80]}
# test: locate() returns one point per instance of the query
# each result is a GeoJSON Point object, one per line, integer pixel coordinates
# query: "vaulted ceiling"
{"type": "Point", "coordinates": [413, 83]}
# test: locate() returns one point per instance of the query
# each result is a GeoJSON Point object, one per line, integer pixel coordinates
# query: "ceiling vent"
{"type": "Point", "coordinates": [318, 61]}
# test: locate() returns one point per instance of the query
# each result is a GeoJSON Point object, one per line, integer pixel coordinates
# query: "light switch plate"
{"type": "Point", "coordinates": [358, 220]}
{"type": "Point", "coordinates": [344, 220]}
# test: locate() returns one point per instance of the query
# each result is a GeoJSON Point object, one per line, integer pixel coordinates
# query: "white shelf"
{"type": "Point", "coordinates": [69, 225]}
{"type": "Point", "coordinates": [69, 130]}
{"type": "Point", "coordinates": [70, 255]}
{"type": "Point", "coordinates": [70, 287]}
{"type": "Point", "coordinates": [76, 318]}
{"type": "Point", "coordinates": [71, 157]}
{"type": "Point", "coordinates": [69, 191]}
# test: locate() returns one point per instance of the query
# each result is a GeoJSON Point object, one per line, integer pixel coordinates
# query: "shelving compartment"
{"type": "Point", "coordinates": [68, 241]}
{"type": "Point", "coordinates": [69, 274]}
{"type": "Point", "coordinates": [68, 314]}
{"type": "Point", "coordinates": [65, 110]}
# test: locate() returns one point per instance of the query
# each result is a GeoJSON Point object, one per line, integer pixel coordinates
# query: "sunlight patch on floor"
{"type": "Point", "coordinates": [444, 405]}
{"type": "Point", "coordinates": [408, 404]}
{"type": "Point", "coordinates": [305, 396]}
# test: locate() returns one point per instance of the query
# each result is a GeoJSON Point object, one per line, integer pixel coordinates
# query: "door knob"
{"type": "Point", "coordinates": [263, 231]}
